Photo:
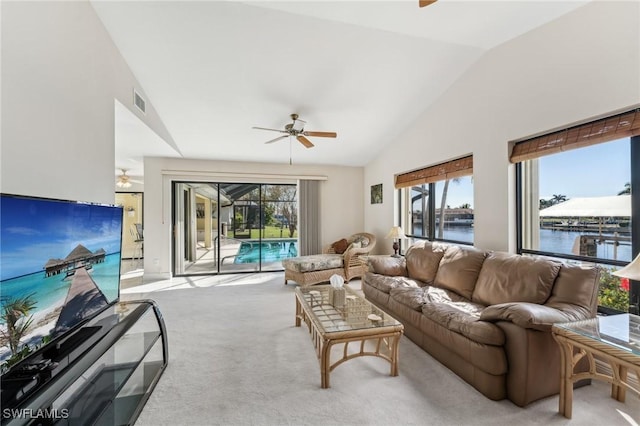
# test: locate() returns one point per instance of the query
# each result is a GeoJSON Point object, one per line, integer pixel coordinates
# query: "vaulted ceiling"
{"type": "Point", "coordinates": [363, 69]}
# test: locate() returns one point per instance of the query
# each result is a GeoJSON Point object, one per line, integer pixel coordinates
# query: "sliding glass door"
{"type": "Point", "coordinates": [233, 227]}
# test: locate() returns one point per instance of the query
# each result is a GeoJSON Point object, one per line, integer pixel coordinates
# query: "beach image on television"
{"type": "Point", "coordinates": [59, 265]}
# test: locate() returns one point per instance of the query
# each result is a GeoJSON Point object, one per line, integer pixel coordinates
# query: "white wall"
{"type": "Point", "coordinates": [60, 75]}
{"type": "Point", "coordinates": [584, 64]}
{"type": "Point", "coordinates": [341, 198]}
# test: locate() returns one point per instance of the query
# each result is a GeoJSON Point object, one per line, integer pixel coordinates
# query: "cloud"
{"type": "Point", "coordinates": [18, 230]}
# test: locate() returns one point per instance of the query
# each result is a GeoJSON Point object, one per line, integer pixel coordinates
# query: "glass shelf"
{"type": "Point", "coordinates": [106, 375]}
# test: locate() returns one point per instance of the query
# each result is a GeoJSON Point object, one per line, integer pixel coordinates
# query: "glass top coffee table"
{"type": "Point", "coordinates": [356, 320]}
{"type": "Point", "coordinates": [614, 339]}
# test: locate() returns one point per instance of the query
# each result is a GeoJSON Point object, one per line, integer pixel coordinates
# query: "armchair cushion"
{"type": "Point", "coordinates": [317, 262]}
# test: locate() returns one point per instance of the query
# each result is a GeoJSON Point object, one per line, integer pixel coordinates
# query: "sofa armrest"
{"type": "Point", "coordinates": [388, 265]}
{"type": "Point", "coordinates": [532, 315]}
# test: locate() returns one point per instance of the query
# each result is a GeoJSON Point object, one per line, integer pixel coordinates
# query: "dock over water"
{"type": "Point", "coordinates": [83, 298]}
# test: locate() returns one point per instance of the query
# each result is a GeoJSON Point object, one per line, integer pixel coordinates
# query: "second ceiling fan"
{"type": "Point", "coordinates": [296, 129]}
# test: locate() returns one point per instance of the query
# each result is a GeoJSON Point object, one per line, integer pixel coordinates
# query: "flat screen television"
{"type": "Point", "coordinates": [59, 267]}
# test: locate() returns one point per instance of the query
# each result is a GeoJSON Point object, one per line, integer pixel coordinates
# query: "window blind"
{"type": "Point", "coordinates": [449, 170]}
{"type": "Point", "coordinates": [607, 129]}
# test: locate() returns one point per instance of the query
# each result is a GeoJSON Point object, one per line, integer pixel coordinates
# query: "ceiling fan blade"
{"type": "Point", "coordinates": [304, 141]}
{"type": "Point", "coordinates": [424, 3]}
{"type": "Point", "coordinates": [276, 139]}
{"type": "Point", "coordinates": [273, 130]}
{"type": "Point", "coordinates": [321, 134]}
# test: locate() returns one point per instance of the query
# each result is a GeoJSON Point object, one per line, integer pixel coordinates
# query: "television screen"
{"type": "Point", "coordinates": [59, 266]}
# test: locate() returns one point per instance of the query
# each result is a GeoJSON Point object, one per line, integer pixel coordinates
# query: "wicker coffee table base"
{"type": "Point", "coordinates": [387, 340]}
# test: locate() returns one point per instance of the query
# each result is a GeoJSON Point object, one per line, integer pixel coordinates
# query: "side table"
{"type": "Point", "coordinates": [614, 339]}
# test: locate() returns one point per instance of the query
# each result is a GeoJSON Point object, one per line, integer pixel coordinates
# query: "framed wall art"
{"type": "Point", "coordinates": [376, 194]}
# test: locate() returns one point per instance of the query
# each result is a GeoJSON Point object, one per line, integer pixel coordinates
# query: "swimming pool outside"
{"type": "Point", "coordinates": [254, 251]}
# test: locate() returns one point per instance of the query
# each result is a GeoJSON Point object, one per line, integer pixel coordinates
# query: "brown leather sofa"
{"type": "Point", "coordinates": [485, 315]}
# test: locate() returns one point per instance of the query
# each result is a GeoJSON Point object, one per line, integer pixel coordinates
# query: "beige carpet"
{"type": "Point", "coordinates": [237, 359]}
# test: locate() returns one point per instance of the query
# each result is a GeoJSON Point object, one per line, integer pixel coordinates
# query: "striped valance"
{"type": "Point", "coordinates": [619, 126]}
{"type": "Point", "coordinates": [443, 171]}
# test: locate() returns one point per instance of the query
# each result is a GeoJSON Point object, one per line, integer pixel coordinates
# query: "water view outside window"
{"type": "Point", "coordinates": [580, 205]}
{"type": "Point", "coordinates": [454, 209]}
{"type": "Point", "coordinates": [451, 210]}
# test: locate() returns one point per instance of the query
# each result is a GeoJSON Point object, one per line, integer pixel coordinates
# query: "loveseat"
{"type": "Point", "coordinates": [344, 257]}
{"type": "Point", "coordinates": [485, 315]}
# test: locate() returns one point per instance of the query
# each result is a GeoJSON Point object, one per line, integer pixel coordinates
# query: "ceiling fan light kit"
{"type": "Point", "coordinates": [296, 129]}
{"type": "Point", "coordinates": [123, 180]}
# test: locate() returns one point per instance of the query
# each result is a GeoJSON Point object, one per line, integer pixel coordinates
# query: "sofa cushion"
{"type": "Point", "coordinates": [459, 269]}
{"type": "Point", "coordinates": [316, 262]}
{"type": "Point", "coordinates": [576, 285]}
{"type": "Point", "coordinates": [388, 265]}
{"type": "Point", "coordinates": [442, 295]}
{"type": "Point", "coordinates": [509, 277]}
{"type": "Point", "coordinates": [423, 259]}
{"type": "Point", "coordinates": [409, 296]}
{"type": "Point", "coordinates": [385, 283]}
{"type": "Point", "coordinates": [464, 318]}
{"type": "Point", "coordinates": [340, 246]}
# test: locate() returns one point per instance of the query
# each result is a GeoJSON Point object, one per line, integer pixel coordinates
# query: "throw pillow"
{"type": "Point", "coordinates": [364, 241]}
{"type": "Point", "coordinates": [340, 246]}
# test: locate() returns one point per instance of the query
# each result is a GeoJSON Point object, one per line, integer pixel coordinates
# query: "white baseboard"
{"type": "Point", "coordinates": [150, 277]}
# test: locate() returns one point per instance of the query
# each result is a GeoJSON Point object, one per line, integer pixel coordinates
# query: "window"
{"type": "Point", "coordinates": [436, 202]}
{"type": "Point", "coordinates": [575, 202]}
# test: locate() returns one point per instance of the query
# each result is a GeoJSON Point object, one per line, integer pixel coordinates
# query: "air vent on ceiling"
{"type": "Point", "coordinates": [139, 101]}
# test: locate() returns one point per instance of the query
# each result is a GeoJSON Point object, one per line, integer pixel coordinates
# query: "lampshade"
{"type": "Point", "coordinates": [123, 184]}
{"type": "Point", "coordinates": [631, 271]}
{"type": "Point", "coordinates": [396, 233]}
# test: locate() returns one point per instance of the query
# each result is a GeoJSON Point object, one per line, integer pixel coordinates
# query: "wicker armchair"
{"type": "Point", "coordinates": [354, 263]}
{"type": "Point", "coordinates": [315, 269]}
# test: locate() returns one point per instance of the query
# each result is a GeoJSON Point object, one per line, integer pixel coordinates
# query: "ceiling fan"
{"type": "Point", "coordinates": [296, 129]}
{"type": "Point", "coordinates": [424, 3]}
{"type": "Point", "coordinates": [124, 180]}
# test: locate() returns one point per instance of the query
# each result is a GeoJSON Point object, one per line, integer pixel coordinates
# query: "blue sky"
{"type": "Point", "coordinates": [595, 171]}
{"type": "Point", "coordinates": [32, 231]}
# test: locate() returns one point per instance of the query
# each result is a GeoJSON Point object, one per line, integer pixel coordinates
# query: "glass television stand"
{"type": "Point", "coordinates": [103, 373]}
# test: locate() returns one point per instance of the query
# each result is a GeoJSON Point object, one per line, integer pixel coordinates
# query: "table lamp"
{"type": "Point", "coordinates": [631, 271]}
{"type": "Point", "coordinates": [396, 233]}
